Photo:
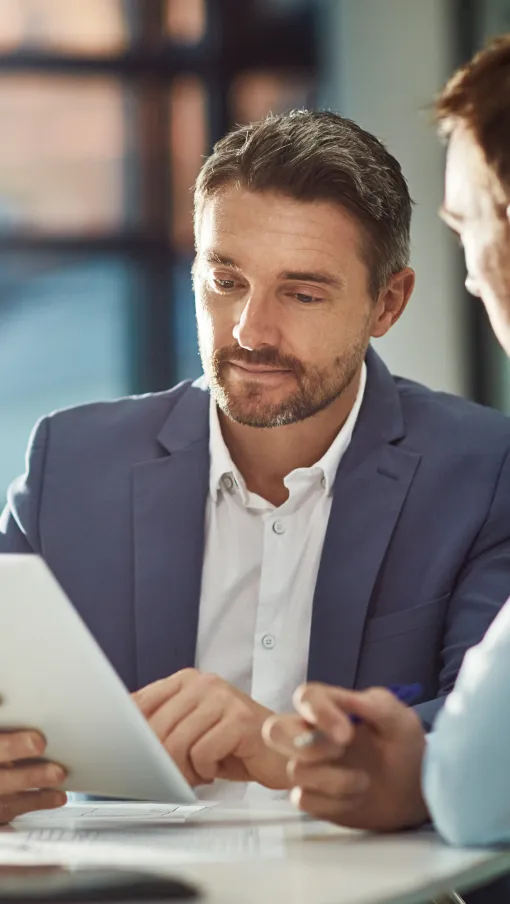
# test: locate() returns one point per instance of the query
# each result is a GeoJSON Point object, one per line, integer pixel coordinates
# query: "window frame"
{"type": "Point", "coordinates": [148, 67]}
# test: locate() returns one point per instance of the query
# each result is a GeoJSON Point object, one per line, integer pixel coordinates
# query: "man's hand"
{"type": "Point", "coordinates": [19, 777]}
{"type": "Point", "coordinates": [365, 775]}
{"type": "Point", "coordinates": [211, 729]}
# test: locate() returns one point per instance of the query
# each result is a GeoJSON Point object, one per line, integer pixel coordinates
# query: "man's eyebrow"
{"type": "Point", "coordinates": [213, 257]}
{"type": "Point", "coordinates": [452, 219]}
{"type": "Point", "coordinates": [325, 279]}
{"type": "Point", "coordinates": [321, 277]}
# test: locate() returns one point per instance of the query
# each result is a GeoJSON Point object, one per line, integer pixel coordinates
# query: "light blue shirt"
{"type": "Point", "coordinates": [466, 776]}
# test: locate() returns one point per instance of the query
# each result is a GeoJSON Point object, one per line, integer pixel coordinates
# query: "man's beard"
{"type": "Point", "coordinates": [316, 388]}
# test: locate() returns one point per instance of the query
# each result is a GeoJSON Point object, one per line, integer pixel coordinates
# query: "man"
{"type": "Point", "coordinates": [294, 514]}
{"type": "Point", "coordinates": [376, 783]}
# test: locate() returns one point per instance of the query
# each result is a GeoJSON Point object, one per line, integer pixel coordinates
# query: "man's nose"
{"type": "Point", "coordinates": [257, 325]}
{"type": "Point", "coordinates": [472, 286]}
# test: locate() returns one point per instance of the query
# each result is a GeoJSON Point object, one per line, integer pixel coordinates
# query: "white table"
{"type": "Point", "coordinates": [272, 857]}
{"type": "Point", "coordinates": [321, 865]}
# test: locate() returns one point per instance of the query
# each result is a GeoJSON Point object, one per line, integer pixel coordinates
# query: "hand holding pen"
{"type": "Point", "coordinates": [354, 757]}
{"type": "Point", "coordinates": [406, 693]}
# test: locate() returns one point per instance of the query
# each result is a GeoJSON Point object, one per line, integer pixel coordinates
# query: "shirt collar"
{"type": "Point", "coordinates": [331, 459]}
{"type": "Point", "coordinates": [223, 473]}
{"type": "Point", "coordinates": [222, 468]}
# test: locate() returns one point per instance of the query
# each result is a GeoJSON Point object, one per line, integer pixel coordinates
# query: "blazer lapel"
{"type": "Point", "coordinates": [370, 489]}
{"type": "Point", "coordinates": [170, 495]}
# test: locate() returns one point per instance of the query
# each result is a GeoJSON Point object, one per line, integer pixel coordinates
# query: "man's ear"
{"type": "Point", "coordinates": [392, 301]}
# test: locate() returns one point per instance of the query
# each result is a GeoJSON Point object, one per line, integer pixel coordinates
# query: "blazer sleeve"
{"type": "Point", "coordinates": [480, 591]}
{"type": "Point", "coordinates": [19, 522]}
{"type": "Point", "coordinates": [467, 761]}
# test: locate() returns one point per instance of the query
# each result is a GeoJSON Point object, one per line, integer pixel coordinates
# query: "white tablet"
{"type": "Point", "coordinates": [54, 677]}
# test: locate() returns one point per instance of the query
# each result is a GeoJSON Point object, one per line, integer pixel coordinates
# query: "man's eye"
{"type": "Point", "coordinates": [224, 283]}
{"type": "Point", "coordinates": [306, 299]}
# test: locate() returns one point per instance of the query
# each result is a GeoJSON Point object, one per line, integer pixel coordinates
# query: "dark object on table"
{"type": "Point", "coordinates": [57, 883]}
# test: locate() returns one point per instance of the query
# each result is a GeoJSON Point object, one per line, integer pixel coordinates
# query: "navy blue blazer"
{"type": "Point", "coordinates": [416, 558]}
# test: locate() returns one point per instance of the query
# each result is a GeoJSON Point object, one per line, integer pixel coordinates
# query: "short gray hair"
{"type": "Point", "coordinates": [314, 156]}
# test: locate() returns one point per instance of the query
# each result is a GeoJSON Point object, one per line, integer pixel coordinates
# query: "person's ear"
{"type": "Point", "coordinates": [392, 301]}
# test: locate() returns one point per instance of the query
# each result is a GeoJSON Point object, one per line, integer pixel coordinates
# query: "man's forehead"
{"type": "Point", "coordinates": [269, 206]}
{"type": "Point", "coordinates": [233, 217]}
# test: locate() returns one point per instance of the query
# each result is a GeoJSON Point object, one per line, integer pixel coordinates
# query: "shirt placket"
{"type": "Point", "coordinates": [269, 651]}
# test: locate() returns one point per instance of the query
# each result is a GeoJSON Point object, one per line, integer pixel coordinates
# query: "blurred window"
{"type": "Point", "coordinates": [188, 147]}
{"type": "Point", "coordinates": [254, 94]}
{"type": "Point", "coordinates": [186, 20]}
{"type": "Point", "coordinates": [61, 163]}
{"type": "Point", "coordinates": [64, 327]}
{"type": "Point", "coordinates": [108, 108]}
{"type": "Point", "coordinates": [70, 26]}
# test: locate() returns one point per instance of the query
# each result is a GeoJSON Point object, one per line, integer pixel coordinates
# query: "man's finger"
{"type": "Point", "coordinates": [219, 742]}
{"type": "Point", "coordinates": [20, 745]}
{"type": "Point", "coordinates": [21, 778]}
{"type": "Point", "coordinates": [324, 807]}
{"type": "Point", "coordinates": [328, 779]}
{"type": "Point", "coordinates": [282, 732]}
{"type": "Point", "coordinates": [28, 801]}
{"type": "Point", "coordinates": [165, 720]}
{"type": "Point", "coordinates": [377, 707]}
{"type": "Point", "coordinates": [185, 767]}
{"type": "Point", "coordinates": [191, 731]}
{"type": "Point", "coordinates": [151, 698]}
{"type": "Point", "coordinates": [319, 705]}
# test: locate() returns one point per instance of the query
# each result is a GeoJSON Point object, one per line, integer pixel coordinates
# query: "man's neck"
{"type": "Point", "coordinates": [264, 456]}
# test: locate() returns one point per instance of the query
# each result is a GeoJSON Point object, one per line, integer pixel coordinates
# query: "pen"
{"type": "Point", "coordinates": [406, 693]}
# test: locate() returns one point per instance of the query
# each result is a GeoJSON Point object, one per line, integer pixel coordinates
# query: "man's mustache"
{"type": "Point", "coordinates": [268, 355]}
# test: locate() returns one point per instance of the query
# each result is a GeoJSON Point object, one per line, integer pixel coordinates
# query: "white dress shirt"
{"type": "Point", "coordinates": [259, 574]}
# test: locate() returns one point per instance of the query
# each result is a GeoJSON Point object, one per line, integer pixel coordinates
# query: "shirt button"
{"type": "Point", "coordinates": [228, 483]}
{"type": "Point", "coordinates": [268, 641]}
{"type": "Point", "coordinates": [279, 527]}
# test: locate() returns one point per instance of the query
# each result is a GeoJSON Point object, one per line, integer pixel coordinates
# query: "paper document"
{"type": "Point", "coordinates": [77, 815]}
{"type": "Point", "coordinates": [164, 840]}
{"type": "Point", "coordinates": [97, 811]}
{"type": "Point", "coordinates": [54, 677]}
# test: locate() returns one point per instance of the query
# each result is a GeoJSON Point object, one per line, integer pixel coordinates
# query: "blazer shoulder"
{"type": "Point", "coordinates": [131, 423]}
{"type": "Point", "coordinates": [127, 409]}
{"type": "Point", "coordinates": [442, 416]}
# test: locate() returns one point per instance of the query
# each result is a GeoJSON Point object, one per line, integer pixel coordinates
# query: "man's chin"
{"type": "Point", "coordinates": [254, 400]}
{"type": "Point", "coordinates": [254, 415]}
{"type": "Point", "coordinates": [498, 310]}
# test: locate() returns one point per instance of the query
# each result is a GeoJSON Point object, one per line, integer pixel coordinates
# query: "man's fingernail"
{"type": "Point", "coordinates": [59, 799]}
{"type": "Point", "coordinates": [34, 744]}
{"type": "Point", "coordinates": [306, 739]}
{"type": "Point", "coordinates": [55, 774]}
{"type": "Point", "coordinates": [307, 713]}
{"type": "Point", "coordinates": [295, 796]}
